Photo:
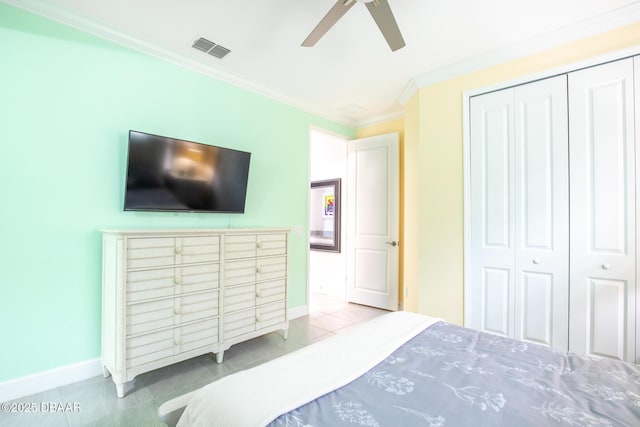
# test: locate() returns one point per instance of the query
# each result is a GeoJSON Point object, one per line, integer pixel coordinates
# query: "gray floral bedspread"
{"type": "Point", "coordinates": [453, 376]}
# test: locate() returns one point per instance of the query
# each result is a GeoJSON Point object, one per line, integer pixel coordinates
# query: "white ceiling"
{"type": "Point", "coordinates": [351, 75]}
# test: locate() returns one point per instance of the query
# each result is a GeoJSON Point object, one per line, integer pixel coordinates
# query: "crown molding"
{"type": "Point", "coordinates": [408, 91]}
{"type": "Point", "coordinates": [620, 17]}
{"type": "Point", "coordinates": [48, 11]}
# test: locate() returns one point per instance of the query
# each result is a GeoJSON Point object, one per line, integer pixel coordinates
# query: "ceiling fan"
{"type": "Point", "coordinates": [379, 10]}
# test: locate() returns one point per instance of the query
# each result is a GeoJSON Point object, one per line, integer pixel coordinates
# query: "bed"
{"type": "Point", "coordinates": [407, 369]}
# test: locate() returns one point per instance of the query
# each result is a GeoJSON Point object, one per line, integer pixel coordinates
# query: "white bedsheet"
{"type": "Point", "coordinates": [257, 396]}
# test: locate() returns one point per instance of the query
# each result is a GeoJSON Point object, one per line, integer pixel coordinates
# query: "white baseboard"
{"type": "Point", "coordinates": [42, 381]}
{"type": "Point", "coordinates": [296, 312]}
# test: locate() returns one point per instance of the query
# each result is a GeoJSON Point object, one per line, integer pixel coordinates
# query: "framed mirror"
{"type": "Point", "coordinates": [324, 217]}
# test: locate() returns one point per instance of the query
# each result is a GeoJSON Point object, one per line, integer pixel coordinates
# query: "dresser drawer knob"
{"type": "Point", "coordinates": [259, 245]}
{"type": "Point", "coordinates": [259, 294]}
{"type": "Point", "coordinates": [258, 269]}
{"type": "Point", "coordinates": [258, 319]}
{"type": "Point", "coordinates": [176, 311]}
{"type": "Point", "coordinates": [176, 342]}
{"type": "Point", "coordinates": [606, 266]}
{"type": "Point", "coordinates": [178, 250]}
{"type": "Point", "coordinates": [177, 280]}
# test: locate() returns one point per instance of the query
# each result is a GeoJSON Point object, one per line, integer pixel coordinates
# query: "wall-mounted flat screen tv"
{"type": "Point", "coordinates": [168, 174]}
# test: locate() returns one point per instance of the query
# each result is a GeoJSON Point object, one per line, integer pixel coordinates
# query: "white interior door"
{"type": "Point", "coordinates": [373, 221]}
{"type": "Point", "coordinates": [603, 257]}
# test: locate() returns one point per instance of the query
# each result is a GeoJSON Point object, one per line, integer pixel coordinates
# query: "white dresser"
{"type": "Point", "coordinates": [170, 295]}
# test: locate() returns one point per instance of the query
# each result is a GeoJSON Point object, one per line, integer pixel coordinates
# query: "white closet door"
{"type": "Point", "coordinates": [602, 202]}
{"type": "Point", "coordinates": [542, 213]}
{"type": "Point", "coordinates": [492, 214]}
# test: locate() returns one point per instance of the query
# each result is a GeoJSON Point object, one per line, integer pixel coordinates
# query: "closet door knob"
{"type": "Point", "coordinates": [606, 266]}
{"type": "Point", "coordinates": [537, 261]}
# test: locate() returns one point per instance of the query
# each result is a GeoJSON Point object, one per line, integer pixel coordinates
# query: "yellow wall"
{"type": "Point", "coordinates": [439, 130]}
{"type": "Point", "coordinates": [389, 126]}
{"type": "Point", "coordinates": [411, 209]}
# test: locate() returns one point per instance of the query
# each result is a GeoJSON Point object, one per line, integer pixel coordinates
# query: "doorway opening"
{"type": "Point", "coordinates": [327, 268]}
{"type": "Point", "coordinates": [366, 269]}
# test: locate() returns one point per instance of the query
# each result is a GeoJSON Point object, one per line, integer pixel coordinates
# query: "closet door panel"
{"type": "Point", "coordinates": [541, 193]}
{"type": "Point", "coordinates": [603, 217]}
{"type": "Point", "coordinates": [492, 224]}
{"type": "Point", "coordinates": [535, 321]}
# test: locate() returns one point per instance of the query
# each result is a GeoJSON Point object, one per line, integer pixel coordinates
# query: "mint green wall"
{"type": "Point", "coordinates": [67, 101]}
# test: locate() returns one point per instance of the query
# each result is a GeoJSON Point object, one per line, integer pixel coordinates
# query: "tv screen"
{"type": "Point", "coordinates": [168, 174]}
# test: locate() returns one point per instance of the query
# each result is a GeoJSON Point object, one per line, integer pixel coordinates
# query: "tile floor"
{"type": "Point", "coordinates": [96, 397]}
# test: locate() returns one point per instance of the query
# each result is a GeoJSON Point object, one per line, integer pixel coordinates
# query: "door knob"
{"type": "Point", "coordinates": [392, 243]}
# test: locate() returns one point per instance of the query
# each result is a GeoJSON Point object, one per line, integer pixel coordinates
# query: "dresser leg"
{"type": "Point", "coordinates": [219, 356]}
{"type": "Point", "coordinates": [120, 390]}
{"type": "Point", "coordinates": [285, 333]}
{"type": "Point", "coordinates": [105, 372]}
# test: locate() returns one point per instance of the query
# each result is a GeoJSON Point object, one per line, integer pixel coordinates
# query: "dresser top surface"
{"type": "Point", "coordinates": [190, 231]}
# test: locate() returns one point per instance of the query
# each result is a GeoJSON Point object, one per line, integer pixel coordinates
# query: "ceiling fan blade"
{"type": "Point", "coordinates": [387, 23]}
{"type": "Point", "coordinates": [327, 22]}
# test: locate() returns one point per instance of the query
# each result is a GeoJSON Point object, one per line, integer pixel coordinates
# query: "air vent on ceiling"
{"type": "Point", "coordinates": [211, 48]}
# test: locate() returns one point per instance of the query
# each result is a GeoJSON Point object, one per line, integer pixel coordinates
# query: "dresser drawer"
{"type": "Point", "coordinates": [252, 245]}
{"type": "Point", "coordinates": [239, 323]}
{"type": "Point", "coordinates": [165, 282]}
{"type": "Point", "coordinates": [271, 314]}
{"type": "Point", "coordinates": [198, 249]}
{"type": "Point", "coordinates": [271, 268]}
{"type": "Point", "coordinates": [271, 244]}
{"type": "Point", "coordinates": [239, 298]}
{"type": "Point", "coordinates": [154, 315]}
{"type": "Point", "coordinates": [148, 348]}
{"type": "Point", "coordinates": [148, 252]}
{"type": "Point", "coordinates": [269, 292]}
{"type": "Point", "coordinates": [197, 306]}
{"type": "Point", "coordinates": [149, 316]}
{"type": "Point", "coordinates": [195, 278]}
{"type": "Point", "coordinates": [146, 284]}
{"type": "Point", "coordinates": [254, 270]}
{"type": "Point", "coordinates": [240, 246]}
{"type": "Point", "coordinates": [240, 272]}
{"type": "Point", "coordinates": [198, 335]}
{"type": "Point", "coordinates": [246, 321]}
